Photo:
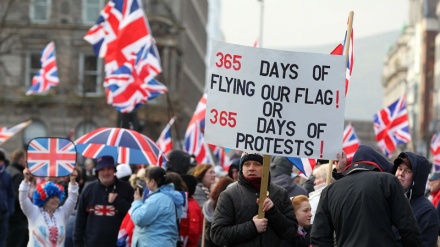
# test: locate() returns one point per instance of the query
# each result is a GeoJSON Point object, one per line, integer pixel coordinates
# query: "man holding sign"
{"type": "Point", "coordinates": [235, 218]}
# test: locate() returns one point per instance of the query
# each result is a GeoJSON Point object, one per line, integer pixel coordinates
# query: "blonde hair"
{"type": "Point", "coordinates": [297, 200]}
{"type": "Point", "coordinates": [321, 172]}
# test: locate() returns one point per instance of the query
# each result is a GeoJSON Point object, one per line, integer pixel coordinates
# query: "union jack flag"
{"type": "Point", "coordinates": [6, 133]}
{"type": "Point", "coordinates": [350, 141]}
{"type": "Point", "coordinates": [220, 155]}
{"type": "Point", "coordinates": [102, 210]}
{"type": "Point", "coordinates": [165, 142]}
{"type": "Point", "coordinates": [194, 140]}
{"type": "Point", "coordinates": [435, 150]}
{"type": "Point", "coordinates": [51, 157]}
{"type": "Point", "coordinates": [339, 50]}
{"type": "Point", "coordinates": [47, 76]}
{"type": "Point", "coordinates": [121, 30]}
{"type": "Point", "coordinates": [133, 84]}
{"type": "Point", "coordinates": [391, 126]}
{"type": "Point", "coordinates": [304, 165]}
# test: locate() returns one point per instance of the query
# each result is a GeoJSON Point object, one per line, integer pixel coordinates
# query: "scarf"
{"type": "Point", "coordinates": [255, 182]}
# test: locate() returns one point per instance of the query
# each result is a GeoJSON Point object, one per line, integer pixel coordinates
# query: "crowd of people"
{"type": "Point", "coordinates": [366, 201]}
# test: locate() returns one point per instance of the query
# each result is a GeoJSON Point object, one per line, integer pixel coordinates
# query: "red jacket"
{"type": "Point", "coordinates": [191, 226]}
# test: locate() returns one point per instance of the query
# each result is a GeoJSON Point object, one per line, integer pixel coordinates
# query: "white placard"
{"type": "Point", "coordinates": [275, 102]}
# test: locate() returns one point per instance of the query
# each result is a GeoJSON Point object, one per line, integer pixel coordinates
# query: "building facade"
{"type": "Point", "coordinates": [409, 70]}
{"type": "Point", "coordinates": [78, 103]}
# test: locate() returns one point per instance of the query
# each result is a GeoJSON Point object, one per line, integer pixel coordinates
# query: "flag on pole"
{"type": "Point", "coordinates": [7, 133]}
{"type": "Point", "coordinates": [47, 76]}
{"type": "Point", "coordinates": [435, 151]}
{"type": "Point", "coordinates": [391, 126]}
{"type": "Point", "coordinates": [304, 165]}
{"type": "Point", "coordinates": [165, 142]}
{"type": "Point", "coordinates": [350, 141]}
{"type": "Point", "coordinates": [219, 154]}
{"type": "Point", "coordinates": [121, 30]}
{"type": "Point", "coordinates": [339, 50]}
{"type": "Point", "coordinates": [133, 84]}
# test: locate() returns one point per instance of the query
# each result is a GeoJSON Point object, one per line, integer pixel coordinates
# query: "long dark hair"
{"type": "Point", "coordinates": [177, 180]}
{"type": "Point", "coordinates": [159, 175]}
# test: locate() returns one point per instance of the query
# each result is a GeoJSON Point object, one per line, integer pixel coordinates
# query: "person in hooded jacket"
{"type": "Point", "coordinates": [156, 219]}
{"type": "Point", "coordinates": [412, 171]}
{"type": "Point", "coordinates": [233, 169]}
{"type": "Point", "coordinates": [363, 205]}
{"type": "Point", "coordinates": [281, 175]}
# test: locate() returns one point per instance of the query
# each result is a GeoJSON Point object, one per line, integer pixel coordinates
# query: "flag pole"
{"type": "Point", "coordinates": [261, 23]}
{"type": "Point", "coordinates": [347, 56]}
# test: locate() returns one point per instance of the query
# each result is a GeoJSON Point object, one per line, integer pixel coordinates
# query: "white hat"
{"type": "Point", "coordinates": [123, 170]}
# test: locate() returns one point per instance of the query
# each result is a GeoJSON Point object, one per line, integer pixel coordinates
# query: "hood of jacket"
{"type": "Point", "coordinates": [176, 196]}
{"type": "Point", "coordinates": [420, 169]}
{"type": "Point", "coordinates": [368, 159]}
{"type": "Point", "coordinates": [280, 165]}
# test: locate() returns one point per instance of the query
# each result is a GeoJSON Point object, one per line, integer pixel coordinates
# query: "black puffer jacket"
{"type": "Point", "coordinates": [236, 206]}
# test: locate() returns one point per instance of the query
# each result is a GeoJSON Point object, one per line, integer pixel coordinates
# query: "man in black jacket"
{"type": "Point", "coordinates": [235, 218]}
{"type": "Point", "coordinates": [363, 205]}
{"type": "Point", "coordinates": [102, 207]}
{"type": "Point", "coordinates": [18, 233]}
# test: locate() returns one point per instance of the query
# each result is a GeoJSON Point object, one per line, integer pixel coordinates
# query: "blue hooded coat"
{"type": "Point", "coordinates": [155, 219]}
{"type": "Point", "coordinates": [425, 213]}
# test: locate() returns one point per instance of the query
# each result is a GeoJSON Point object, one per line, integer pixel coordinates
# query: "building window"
{"type": "Point", "coordinates": [90, 70]}
{"type": "Point", "coordinates": [91, 10]}
{"type": "Point", "coordinates": [33, 65]}
{"type": "Point", "coordinates": [35, 129]}
{"type": "Point", "coordinates": [40, 10]}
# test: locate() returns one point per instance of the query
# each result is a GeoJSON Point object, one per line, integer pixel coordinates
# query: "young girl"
{"type": "Point", "coordinates": [303, 214]}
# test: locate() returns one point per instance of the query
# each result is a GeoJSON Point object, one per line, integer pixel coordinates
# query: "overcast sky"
{"type": "Point", "coordinates": [299, 23]}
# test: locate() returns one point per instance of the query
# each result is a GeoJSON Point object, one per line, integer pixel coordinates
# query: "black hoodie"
{"type": "Point", "coordinates": [425, 213]}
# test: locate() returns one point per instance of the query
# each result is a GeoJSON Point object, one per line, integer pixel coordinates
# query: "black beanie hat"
{"type": "Point", "coordinates": [250, 156]}
{"type": "Point", "coordinates": [191, 183]}
{"type": "Point", "coordinates": [178, 161]}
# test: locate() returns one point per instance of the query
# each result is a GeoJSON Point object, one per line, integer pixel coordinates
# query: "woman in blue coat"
{"type": "Point", "coordinates": [156, 219]}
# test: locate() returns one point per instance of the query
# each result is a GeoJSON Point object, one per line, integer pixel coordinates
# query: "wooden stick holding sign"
{"type": "Point", "coordinates": [347, 56]}
{"type": "Point", "coordinates": [264, 185]}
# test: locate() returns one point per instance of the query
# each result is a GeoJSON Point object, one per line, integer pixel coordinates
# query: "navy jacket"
{"type": "Point", "coordinates": [6, 191]}
{"type": "Point", "coordinates": [425, 213]}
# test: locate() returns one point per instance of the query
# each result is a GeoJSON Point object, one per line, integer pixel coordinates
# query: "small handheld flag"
{"type": "Point", "coordinates": [51, 157]}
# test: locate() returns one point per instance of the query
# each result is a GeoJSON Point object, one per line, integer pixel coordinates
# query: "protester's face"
{"type": "Point", "coordinates": [304, 214]}
{"type": "Point", "coordinates": [52, 204]}
{"type": "Point", "coordinates": [319, 180]}
{"type": "Point", "coordinates": [151, 184]}
{"type": "Point", "coordinates": [235, 174]}
{"type": "Point", "coordinates": [434, 185]}
{"type": "Point", "coordinates": [405, 175]}
{"type": "Point", "coordinates": [252, 168]}
{"type": "Point", "coordinates": [209, 177]}
{"type": "Point", "coordinates": [106, 175]}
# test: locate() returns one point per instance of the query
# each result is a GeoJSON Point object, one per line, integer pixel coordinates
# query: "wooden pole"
{"type": "Point", "coordinates": [347, 56]}
{"type": "Point", "coordinates": [329, 172]}
{"type": "Point", "coordinates": [264, 185]}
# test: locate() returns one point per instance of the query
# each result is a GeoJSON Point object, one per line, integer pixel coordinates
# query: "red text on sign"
{"type": "Point", "coordinates": [223, 118]}
{"type": "Point", "coordinates": [228, 61]}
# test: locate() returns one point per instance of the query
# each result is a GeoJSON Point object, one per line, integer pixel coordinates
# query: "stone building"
{"type": "Point", "coordinates": [78, 103]}
{"type": "Point", "coordinates": [409, 69]}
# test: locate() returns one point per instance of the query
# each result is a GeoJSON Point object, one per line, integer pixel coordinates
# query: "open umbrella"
{"type": "Point", "coordinates": [126, 146]}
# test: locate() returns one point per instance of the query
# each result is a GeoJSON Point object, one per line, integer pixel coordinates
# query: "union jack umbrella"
{"type": "Point", "coordinates": [51, 157]}
{"type": "Point", "coordinates": [126, 146]}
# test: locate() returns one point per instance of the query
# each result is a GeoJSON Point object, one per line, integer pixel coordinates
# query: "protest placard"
{"type": "Point", "coordinates": [275, 102]}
